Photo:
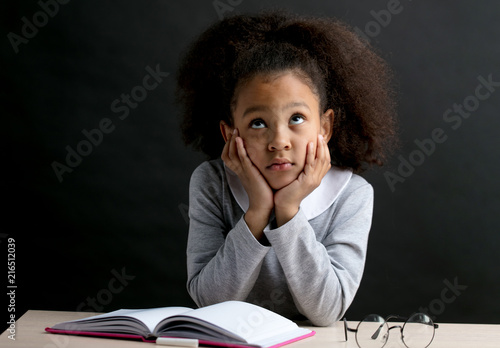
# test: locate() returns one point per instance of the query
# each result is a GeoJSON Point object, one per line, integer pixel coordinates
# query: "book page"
{"type": "Point", "coordinates": [149, 317]}
{"type": "Point", "coordinates": [244, 320]}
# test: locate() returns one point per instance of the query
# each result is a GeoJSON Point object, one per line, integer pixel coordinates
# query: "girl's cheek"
{"type": "Point", "coordinates": [254, 149]}
{"type": "Point", "coordinates": [253, 143]}
{"type": "Point", "coordinates": [251, 151]}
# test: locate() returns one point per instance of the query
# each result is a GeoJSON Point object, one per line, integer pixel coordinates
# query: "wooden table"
{"type": "Point", "coordinates": [30, 333]}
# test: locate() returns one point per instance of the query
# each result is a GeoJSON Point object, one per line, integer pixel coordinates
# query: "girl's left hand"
{"type": "Point", "coordinates": [287, 200]}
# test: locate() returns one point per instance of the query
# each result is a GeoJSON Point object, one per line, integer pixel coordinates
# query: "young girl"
{"type": "Point", "coordinates": [272, 222]}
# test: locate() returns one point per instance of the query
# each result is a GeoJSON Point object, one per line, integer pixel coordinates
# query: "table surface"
{"type": "Point", "coordinates": [30, 333]}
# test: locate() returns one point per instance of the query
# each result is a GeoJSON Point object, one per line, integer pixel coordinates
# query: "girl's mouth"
{"type": "Point", "coordinates": [280, 165]}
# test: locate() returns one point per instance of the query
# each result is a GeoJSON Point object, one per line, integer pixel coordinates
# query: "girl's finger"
{"type": "Point", "coordinates": [225, 150]}
{"type": "Point", "coordinates": [320, 147]}
{"type": "Point", "coordinates": [241, 149]}
{"type": "Point", "coordinates": [325, 155]}
{"type": "Point", "coordinates": [233, 153]}
{"type": "Point", "coordinates": [322, 161]}
{"type": "Point", "coordinates": [242, 152]}
{"type": "Point", "coordinates": [310, 158]}
{"type": "Point", "coordinates": [325, 151]}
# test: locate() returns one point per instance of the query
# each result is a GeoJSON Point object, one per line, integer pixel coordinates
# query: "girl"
{"type": "Point", "coordinates": [272, 222]}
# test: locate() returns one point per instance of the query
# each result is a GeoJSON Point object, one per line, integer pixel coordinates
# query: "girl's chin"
{"type": "Point", "coordinates": [279, 179]}
{"type": "Point", "coordinates": [279, 184]}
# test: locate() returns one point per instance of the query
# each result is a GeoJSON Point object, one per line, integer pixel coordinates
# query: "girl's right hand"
{"type": "Point", "coordinates": [260, 194]}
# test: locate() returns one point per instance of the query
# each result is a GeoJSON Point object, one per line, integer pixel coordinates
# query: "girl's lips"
{"type": "Point", "coordinates": [280, 166]}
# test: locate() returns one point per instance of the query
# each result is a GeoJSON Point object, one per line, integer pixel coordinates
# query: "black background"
{"type": "Point", "coordinates": [123, 208]}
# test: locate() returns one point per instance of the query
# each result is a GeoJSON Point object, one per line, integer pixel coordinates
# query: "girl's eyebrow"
{"type": "Point", "coordinates": [258, 108]}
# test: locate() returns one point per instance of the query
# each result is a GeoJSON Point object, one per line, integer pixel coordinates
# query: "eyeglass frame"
{"type": "Point", "coordinates": [389, 328]}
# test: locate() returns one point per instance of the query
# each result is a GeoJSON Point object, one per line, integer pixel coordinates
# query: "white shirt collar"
{"type": "Point", "coordinates": [332, 184]}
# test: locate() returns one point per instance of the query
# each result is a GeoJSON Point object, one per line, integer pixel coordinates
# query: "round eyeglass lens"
{"type": "Point", "coordinates": [418, 331]}
{"type": "Point", "coordinates": [373, 332]}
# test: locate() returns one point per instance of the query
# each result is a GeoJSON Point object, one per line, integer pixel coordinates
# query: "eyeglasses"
{"type": "Point", "coordinates": [373, 331]}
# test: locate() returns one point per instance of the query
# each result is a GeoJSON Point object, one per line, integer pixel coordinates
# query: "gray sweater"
{"type": "Point", "coordinates": [312, 265]}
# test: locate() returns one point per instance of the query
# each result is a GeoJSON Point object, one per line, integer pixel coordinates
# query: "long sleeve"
{"type": "Point", "coordinates": [313, 264]}
{"type": "Point", "coordinates": [223, 262]}
{"type": "Point", "coordinates": [324, 275]}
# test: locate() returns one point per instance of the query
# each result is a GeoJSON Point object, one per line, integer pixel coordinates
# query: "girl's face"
{"type": "Point", "coordinates": [277, 117]}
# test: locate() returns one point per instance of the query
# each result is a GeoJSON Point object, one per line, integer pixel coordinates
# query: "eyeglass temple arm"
{"type": "Point", "coordinates": [347, 328]}
{"type": "Point", "coordinates": [375, 335]}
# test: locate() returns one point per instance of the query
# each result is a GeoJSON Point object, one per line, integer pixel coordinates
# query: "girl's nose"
{"type": "Point", "coordinates": [279, 141]}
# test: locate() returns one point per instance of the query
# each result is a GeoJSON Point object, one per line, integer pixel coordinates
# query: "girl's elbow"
{"type": "Point", "coordinates": [194, 293]}
{"type": "Point", "coordinates": [328, 312]}
{"type": "Point", "coordinates": [327, 319]}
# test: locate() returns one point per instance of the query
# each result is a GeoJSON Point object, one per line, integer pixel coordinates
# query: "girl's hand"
{"type": "Point", "coordinates": [260, 194]}
{"type": "Point", "coordinates": [287, 200]}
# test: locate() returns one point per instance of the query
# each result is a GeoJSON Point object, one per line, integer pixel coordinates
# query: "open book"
{"type": "Point", "coordinates": [226, 324]}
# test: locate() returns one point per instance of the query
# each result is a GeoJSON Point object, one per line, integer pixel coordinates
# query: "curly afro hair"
{"type": "Point", "coordinates": [344, 71]}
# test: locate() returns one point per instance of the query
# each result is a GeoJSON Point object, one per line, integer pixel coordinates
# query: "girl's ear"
{"type": "Point", "coordinates": [327, 124]}
{"type": "Point", "coordinates": [225, 129]}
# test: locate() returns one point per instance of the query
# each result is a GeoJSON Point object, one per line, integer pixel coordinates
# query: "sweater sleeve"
{"type": "Point", "coordinates": [222, 263]}
{"type": "Point", "coordinates": [323, 276]}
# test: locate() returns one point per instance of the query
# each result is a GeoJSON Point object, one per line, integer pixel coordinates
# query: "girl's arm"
{"type": "Point", "coordinates": [259, 193]}
{"type": "Point", "coordinates": [323, 276]}
{"type": "Point", "coordinates": [222, 263]}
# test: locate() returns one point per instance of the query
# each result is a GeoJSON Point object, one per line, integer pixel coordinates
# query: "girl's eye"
{"type": "Point", "coordinates": [256, 124]}
{"type": "Point", "coordinates": [296, 119]}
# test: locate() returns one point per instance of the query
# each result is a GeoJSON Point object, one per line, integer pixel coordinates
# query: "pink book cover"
{"type": "Point", "coordinates": [139, 337]}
